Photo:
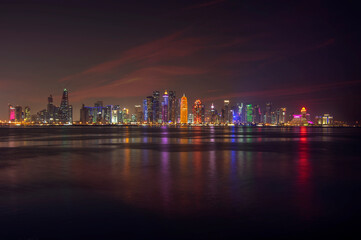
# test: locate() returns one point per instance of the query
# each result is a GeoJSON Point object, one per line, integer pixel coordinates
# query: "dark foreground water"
{"type": "Point", "coordinates": [179, 183]}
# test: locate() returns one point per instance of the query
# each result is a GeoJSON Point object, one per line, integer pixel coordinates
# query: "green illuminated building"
{"type": "Point", "coordinates": [249, 116]}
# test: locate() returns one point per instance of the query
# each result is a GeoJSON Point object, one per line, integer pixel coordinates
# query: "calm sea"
{"type": "Point", "coordinates": [179, 183]}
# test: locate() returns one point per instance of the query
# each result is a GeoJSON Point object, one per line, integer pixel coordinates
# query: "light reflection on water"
{"type": "Point", "coordinates": [226, 173]}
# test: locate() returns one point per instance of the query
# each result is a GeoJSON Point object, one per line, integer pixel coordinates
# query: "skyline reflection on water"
{"type": "Point", "coordinates": [197, 182]}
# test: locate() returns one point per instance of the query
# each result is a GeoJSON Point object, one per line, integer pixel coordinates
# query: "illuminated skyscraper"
{"type": "Point", "coordinates": [165, 104]}
{"type": "Point", "coordinates": [50, 110]}
{"type": "Point", "coordinates": [268, 113]}
{"type": "Point", "coordinates": [64, 111]}
{"type": "Point", "coordinates": [150, 110]}
{"type": "Point", "coordinates": [225, 112]}
{"type": "Point", "coordinates": [213, 113]}
{"type": "Point", "coordinates": [11, 113]}
{"type": "Point", "coordinates": [70, 113]}
{"type": "Point", "coordinates": [27, 116]}
{"type": "Point", "coordinates": [249, 113]}
{"type": "Point", "coordinates": [281, 115]}
{"type": "Point", "coordinates": [172, 108]}
{"type": "Point", "coordinates": [84, 115]}
{"type": "Point", "coordinates": [18, 114]}
{"type": "Point", "coordinates": [157, 113]}
{"type": "Point", "coordinates": [145, 110]}
{"type": "Point", "coordinates": [257, 114]}
{"type": "Point", "coordinates": [197, 112]}
{"type": "Point", "coordinates": [138, 113]}
{"type": "Point", "coordinates": [184, 110]}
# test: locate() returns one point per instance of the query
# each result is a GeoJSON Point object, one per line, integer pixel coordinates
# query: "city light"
{"type": "Point", "coordinates": [165, 110]}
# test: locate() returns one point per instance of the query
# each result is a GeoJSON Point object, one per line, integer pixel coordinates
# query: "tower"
{"type": "Point", "coordinates": [27, 116]}
{"type": "Point", "coordinates": [64, 108]}
{"type": "Point", "coordinates": [165, 107]}
{"type": "Point", "coordinates": [145, 110]}
{"type": "Point", "coordinates": [268, 114]}
{"type": "Point", "coordinates": [11, 113]}
{"type": "Point", "coordinates": [156, 107]}
{"type": "Point", "coordinates": [197, 112]}
{"type": "Point", "coordinates": [18, 114]}
{"type": "Point", "coordinates": [184, 110]}
{"type": "Point", "coordinates": [225, 112]}
{"type": "Point", "coordinates": [172, 107]}
{"type": "Point", "coordinates": [150, 110]}
{"type": "Point", "coordinates": [249, 113]}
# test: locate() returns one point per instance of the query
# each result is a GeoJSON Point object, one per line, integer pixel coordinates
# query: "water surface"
{"type": "Point", "coordinates": [179, 183]}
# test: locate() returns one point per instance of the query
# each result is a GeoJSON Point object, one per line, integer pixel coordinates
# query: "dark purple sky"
{"type": "Point", "coordinates": [292, 53]}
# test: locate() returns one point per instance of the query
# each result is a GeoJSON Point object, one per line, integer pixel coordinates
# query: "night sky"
{"type": "Point", "coordinates": [291, 53]}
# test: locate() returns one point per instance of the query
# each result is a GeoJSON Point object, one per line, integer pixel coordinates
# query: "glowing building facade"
{"type": "Point", "coordinates": [18, 114]}
{"type": "Point", "coordinates": [172, 107]}
{"type": "Point", "coordinates": [11, 113]}
{"type": "Point", "coordinates": [138, 113]}
{"type": "Point", "coordinates": [249, 114]}
{"type": "Point", "coordinates": [157, 113]}
{"type": "Point", "coordinates": [165, 105]}
{"type": "Point", "coordinates": [27, 116]}
{"type": "Point", "coordinates": [225, 112]}
{"type": "Point", "coordinates": [184, 110]}
{"type": "Point", "coordinates": [150, 110]}
{"type": "Point", "coordinates": [302, 119]}
{"type": "Point", "coordinates": [65, 111]}
{"type": "Point", "coordinates": [197, 112]}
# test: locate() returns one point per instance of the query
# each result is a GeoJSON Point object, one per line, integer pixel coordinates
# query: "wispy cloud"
{"type": "Point", "coordinates": [137, 83]}
{"type": "Point", "coordinates": [145, 67]}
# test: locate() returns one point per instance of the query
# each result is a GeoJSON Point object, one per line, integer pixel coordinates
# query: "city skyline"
{"type": "Point", "coordinates": [167, 108]}
{"type": "Point", "coordinates": [210, 50]}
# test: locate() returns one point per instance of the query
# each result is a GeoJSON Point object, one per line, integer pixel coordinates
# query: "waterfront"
{"type": "Point", "coordinates": [179, 183]}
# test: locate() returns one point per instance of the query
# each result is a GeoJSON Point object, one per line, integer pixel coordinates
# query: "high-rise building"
{"type": "Point", "coordinates": [197, 112]}
{"type": "Point", "coordinates": [64, 111]}
{"type": "Point", "coordinates": [225, 112]}
{"type": "Point", "coordinates": [203, 113]}
{"type": "Point", "coordinates": [84, 115]}
{"type": "Point", "coordinates": [184, 110]}
{"type": "Point", "coordinates": [213, 113]}
{"type": "Point", "coordinates": [138, 113]}
{"type": "Point", "coordinates": [326, 119]}
{"type": "Point", "coordinates": [281, 115]}
{"type": "Point", "coordinates": [145, 110]}
{"type": "Point", "coordinates": [27, 115]}
{"type": "Point", "coordinates": [125, 115]}
{"type": "Point", "coordinates": [249, 114]}
{"type": "Point", "coordinates": [268, 113]}
{"type": "Point", "coordinates": [243, 113]}
{"type": "Point", "coordinates": [51, 114]}
{"type": "Point", "coordinates": [257, 116]}
{"type": "Point", "coordinates": [165, 104]}
{"type": "Point", "coordinates": [70, 114]}
{"type": "Point", "coordinates": [18, 114]}
{"type": "Point", "coordinates": [172, 108]}
{"type": "Point", "coordinates": [115, 116]}
{"type": "Point", "coordinates": [11, 113]}
{"type": "Point", "coordinates": [157, 113]}
{"type": "Point", "coordinates": [150, 110]}
{"type": "Point", "coordinates": [190, 118]}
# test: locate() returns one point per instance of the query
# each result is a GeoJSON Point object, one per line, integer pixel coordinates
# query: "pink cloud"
{"type": "Point", "coordinates": [137, 83]}
{"type": "Point", "coordinates": [168, 47]}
